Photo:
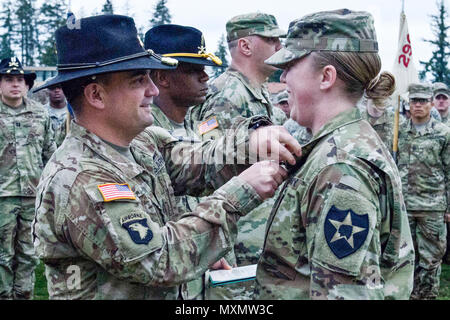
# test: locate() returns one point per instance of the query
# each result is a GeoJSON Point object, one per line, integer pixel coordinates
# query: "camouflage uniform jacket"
{"type": "Point", "coordinates": [26, 144]}
{"type": "Point", "coordinates": [339, 229]}
{"type": "Point", "coordinates": [446, 120]}
{"type": "Point", "coordinates": [59, 124]}
{"type": "Point", "coordinates": [383, 125]}
{"type": "Point", "coordinates": [232, 95]}
{"type": "Point", "coordinates": [424, 165]}
{"type": "Point", "coordinates": [184, 203]}
{"type": "Point", "coordinates": [94, 247]}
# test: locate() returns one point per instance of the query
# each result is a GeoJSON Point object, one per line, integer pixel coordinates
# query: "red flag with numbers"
{"type": "Point", "coordinates": [404, 70]}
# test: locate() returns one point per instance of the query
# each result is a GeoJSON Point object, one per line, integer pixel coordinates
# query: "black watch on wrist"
{"type": "Point", "coordinates": [260, 121]}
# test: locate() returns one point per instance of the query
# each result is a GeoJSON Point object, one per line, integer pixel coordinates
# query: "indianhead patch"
{"type": "Point", "coordinates": [137, 227]}
{"type": "Point", "coordinates": [345, 231]}
{"type": "Point", "coordinates": [207, 126]}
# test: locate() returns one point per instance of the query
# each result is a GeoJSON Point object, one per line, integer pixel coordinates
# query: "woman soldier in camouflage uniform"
{"type": "Point", "coordinates": [339, 229]}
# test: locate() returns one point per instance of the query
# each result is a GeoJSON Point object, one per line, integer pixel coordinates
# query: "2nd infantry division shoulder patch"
{"type": "Point", "coordinates": [114, 191]}
{"type": "Point", "coordinates": [207, 126]}
{"type": "Point", "coordinates": [345, 231]}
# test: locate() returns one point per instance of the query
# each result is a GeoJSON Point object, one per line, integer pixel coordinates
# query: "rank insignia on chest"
{"type": "Point", "coordinates": [114, 191]}
{"type": "Point", "coordinates": [137, 227]}
{"type": "Point", "coordinates": [158, 163]}
{"type": "Point", "coordinates": [345, 231]}
{"type": "Point", "coordinates": [207, 125]}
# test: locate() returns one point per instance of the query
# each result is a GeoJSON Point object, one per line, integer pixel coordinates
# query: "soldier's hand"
{"type": "Point", "coordinates": [274, 143]}
{"type": "Point", "coordinates": [222, 264]}
{"type": "Point", "coordinates": [265, 177]}
{"type": "Point", "coordinates": [447, 217]}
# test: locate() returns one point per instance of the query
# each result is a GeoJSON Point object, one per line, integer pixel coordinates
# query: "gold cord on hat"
{"type": "Point", "coordinates": [212, 56]}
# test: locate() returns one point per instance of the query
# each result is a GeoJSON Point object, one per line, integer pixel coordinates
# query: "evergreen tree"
{"type": "Point", "coordinates": [28, 34]}
{"type": "Point", "coordinates": [437, 66]}
{"type": "Point", "coordinates": [161, 14]}
{"type": "Point", "coordinates": [222, 54]}
{"type": "Point", "coordinates": [7, 24]}
{"type": "Point", "coordinates": [108, 8]}
{"type": "Point", "coordinates": [53, 16]}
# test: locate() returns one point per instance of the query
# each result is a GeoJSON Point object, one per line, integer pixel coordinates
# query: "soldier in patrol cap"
{"type": "Point", "coordinates": [339, 228]}
{"type": "Point", "coordinates": [26, 144]}
{"type": "Point", "coordinates": [180, 89]}
{"type": "Point", "coordinates": [242, 91]}
{"type": "Point", "coordinates": [106, 206]}
{"type": "Point", "coordinates": [281, 101]}
{"type": "Point", "coordinates": [424, 165]}
{"type": "Point", "coordinates": [441, 101]}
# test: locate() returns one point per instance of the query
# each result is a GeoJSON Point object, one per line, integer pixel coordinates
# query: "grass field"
{"type": "Point", "coordinates": [40, 291]}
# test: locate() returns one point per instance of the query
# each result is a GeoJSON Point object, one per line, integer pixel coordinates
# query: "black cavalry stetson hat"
{"type": "Point", "coordinates": [12, 66]}
{"type": "Point", "coordinates": [186, 44]}
{"type": "Point", "coordinates": [102, 44]}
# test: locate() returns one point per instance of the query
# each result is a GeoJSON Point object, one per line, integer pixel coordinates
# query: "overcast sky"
{"type": "Point", "coordinates": [211, 16]}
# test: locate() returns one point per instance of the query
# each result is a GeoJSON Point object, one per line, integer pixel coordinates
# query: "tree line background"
{"type": "Point", "coordinates": [27, 31]}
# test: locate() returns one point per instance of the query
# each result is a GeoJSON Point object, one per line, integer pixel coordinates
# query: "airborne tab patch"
{"type": "Point", "coordinates": [137, 227]}
{"type": "Point", "coordinates": [207, 125]}
{"type": "Point", "coordinates": [345, 231]}
{"type": "Point", "coordinates": [114, 191]}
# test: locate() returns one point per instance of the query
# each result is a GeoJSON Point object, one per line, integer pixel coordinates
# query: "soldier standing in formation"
{"type": "Point", "coordinates": [180, 89]}
{"type": "Point", "coordinates": [281, 101]}
{"type": "Point", "coordinates": [424, 165]}
{"type": "Point", "coordinates": [440, 100]}
{"type": "Point", "coordinates": [339, 228]}
{"type": "Point", "coordinates": [26, 144]}
{"type": "Point", "coordinates": [104, 216]}
{"type": "Point", "coordinates": [57, 109]}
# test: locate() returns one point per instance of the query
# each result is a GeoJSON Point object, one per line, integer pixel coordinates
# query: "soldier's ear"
{"type": "Point", "coordinates": [244, 46]}
{"type": "Point", "coordinates": [160, 78]}
{"type": "Point", "coordinates": [94, 93]}
{"type": "Point", "coordinates": [328, 77]}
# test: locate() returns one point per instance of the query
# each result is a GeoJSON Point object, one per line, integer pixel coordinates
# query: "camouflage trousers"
{"type": "Point", "coordinates": [17, 255]}
{"type": "Point", "coordinates": [446, 258]}
{"type": "Point", "coordinates": [428, 232]}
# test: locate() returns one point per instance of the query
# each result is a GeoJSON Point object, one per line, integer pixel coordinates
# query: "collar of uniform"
{"type": "Point", "coordinates": [342, 119]}
{"type": "Point", "coordinates": [106, 152]}
{"type": "Point", "coordinates": [9, 110]}
{"type": "Point", "coordinates": [428, 127]}
{"type": "Point", "coordinates": [160, 119]}
{"type": "Point", "coordinates": [257, 93]}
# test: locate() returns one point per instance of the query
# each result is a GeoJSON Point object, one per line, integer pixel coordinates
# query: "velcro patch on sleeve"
{"type": "Point", "coordinates": [207, 125]}
{"type": "Point", "coordinates": [115, 191]}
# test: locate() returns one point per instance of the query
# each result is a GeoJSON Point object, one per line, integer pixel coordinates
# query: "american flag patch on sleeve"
{"type": "Point", "coordinates": [207, 125]}
{"type": "Point", "coordinates": [114, 191]}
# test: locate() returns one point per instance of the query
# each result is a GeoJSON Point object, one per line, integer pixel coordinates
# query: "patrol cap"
{"type": "Point", "coordinates": [282, 96]}
{"type": "Point", "coordinates": [12, 66]}
{"type": "Point", "coordinates": [420, 90]}
{"type": "Point", "coordinates": [440, 88]}
{"type": "Point", "coordinates": [186, 44]}
{"type": "Point", "coordinates": [102, 44]}
{"type": "Point", "coordinates": [340, 30]}
{"type": "Point", "coordinates": [257, 23]}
